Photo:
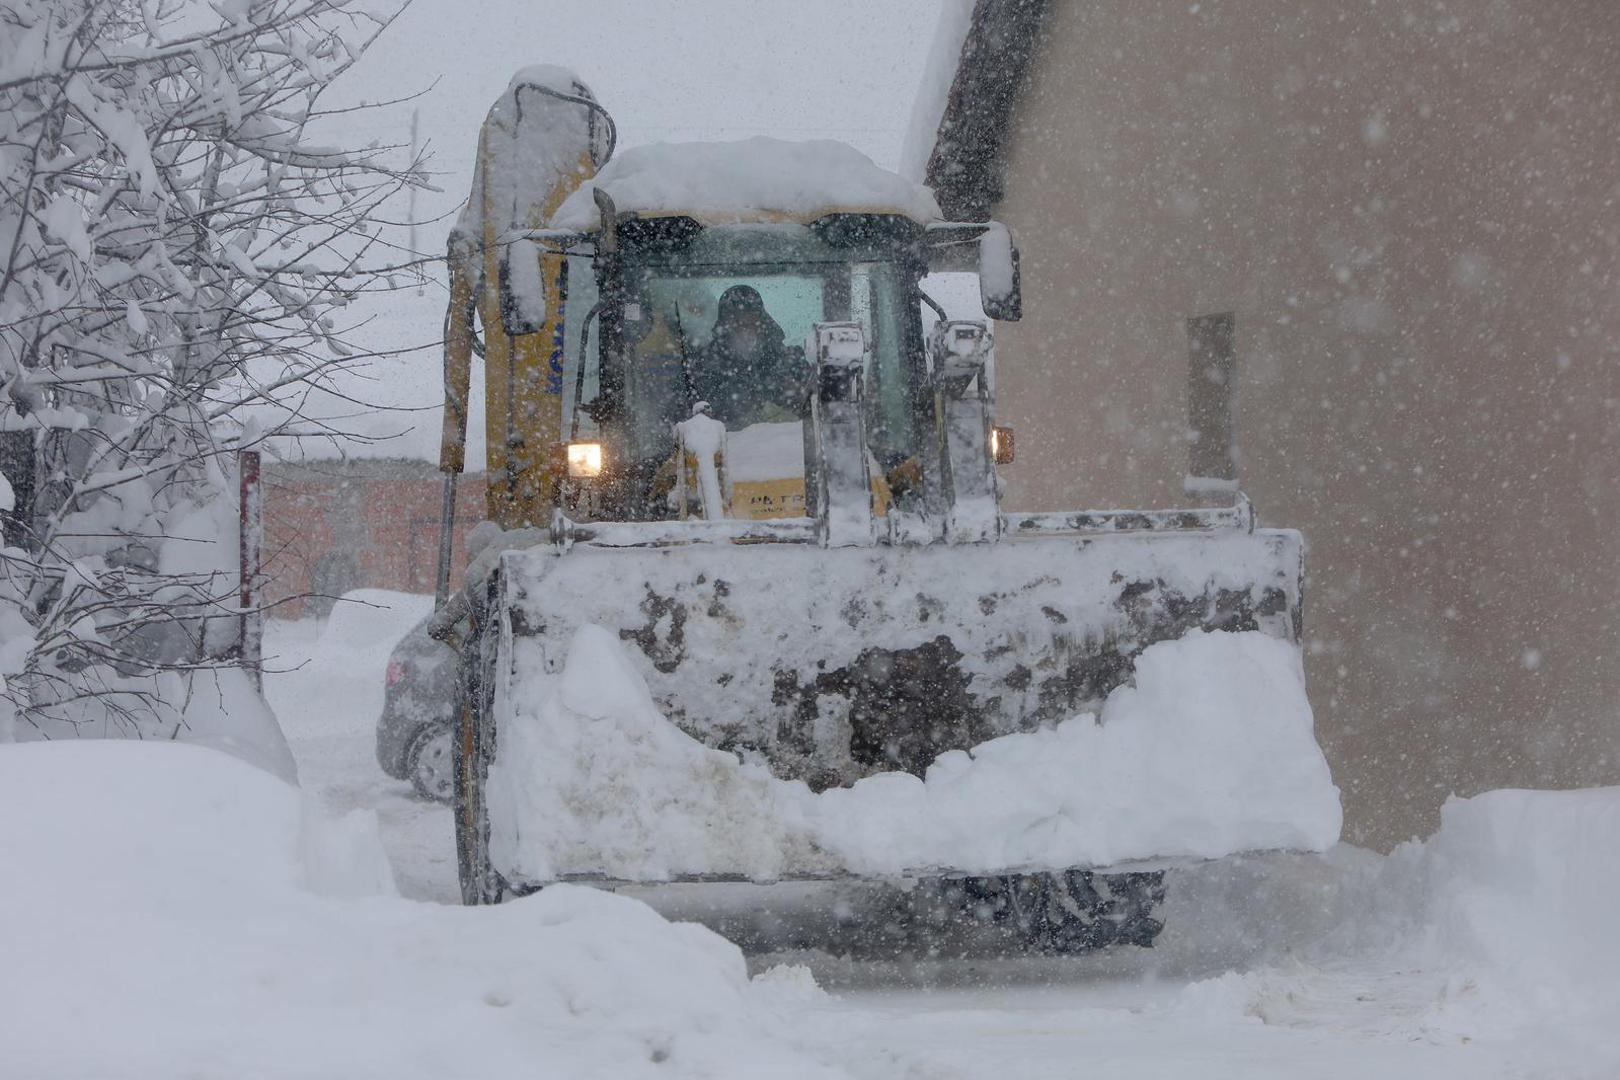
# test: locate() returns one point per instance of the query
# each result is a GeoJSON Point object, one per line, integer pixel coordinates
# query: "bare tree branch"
{"type": "Point", "coordinates": [177, 255]}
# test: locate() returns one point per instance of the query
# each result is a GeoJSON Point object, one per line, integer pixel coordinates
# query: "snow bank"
{"type": "Point", "coordinates": [1515, 884]}
{"type": "Point", "coordinates": [1210, 753]}
{"type": "Point", "coordinates": [214, 707]}
{"type": "Point", "coordinates": [169, 911]}
{"type": "Point", "coordinates": [371, 621]}
{"type": "Point", "coordinates": [758, 179]}
{"type": "Point", "coordinates": [1525, 883]}
{"type": "Point", "coordinates": [1496, 933]}
{"type": "Point", "coordinates": [224, 711]}
{"type": "Point", "coordinates": [363, 629]}
{"type": "Point", "coordinates": [1515, 900]}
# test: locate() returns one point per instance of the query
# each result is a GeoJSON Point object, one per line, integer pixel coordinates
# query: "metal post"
{"type": "Point", "coordinates": [251, 545]}
{"type": "Point", "coordinates": [1212, 473]}
{"type": "Point", "coordinates": [447, 541]}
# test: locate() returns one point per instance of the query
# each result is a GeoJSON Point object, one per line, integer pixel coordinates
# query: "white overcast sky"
{"type": "Point", "coordinates": [667, 71]}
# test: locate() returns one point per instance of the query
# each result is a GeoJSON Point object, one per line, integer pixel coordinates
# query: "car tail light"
{"type": "Point", "coordinates": [396, 672]}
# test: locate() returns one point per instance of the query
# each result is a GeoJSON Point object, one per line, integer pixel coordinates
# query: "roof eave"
{"type": "Point", "coordinates": [966, 168]}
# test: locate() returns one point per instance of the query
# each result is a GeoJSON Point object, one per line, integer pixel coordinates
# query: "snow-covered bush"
{"type": "Point", "coordinates": [175, 256]}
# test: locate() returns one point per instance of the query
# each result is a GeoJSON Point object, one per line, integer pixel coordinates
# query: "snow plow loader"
{"type": "Point", "coordinates": [753, 611]}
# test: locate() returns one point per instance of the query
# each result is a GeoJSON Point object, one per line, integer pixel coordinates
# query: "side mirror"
{"type": "Point", "coordinates": [1000, 291]}
{"type": "Point", "coordinates": [524, 302]}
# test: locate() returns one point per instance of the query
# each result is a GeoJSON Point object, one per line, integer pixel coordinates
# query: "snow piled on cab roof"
{"type": "Point", "coordinates": [750, 180]}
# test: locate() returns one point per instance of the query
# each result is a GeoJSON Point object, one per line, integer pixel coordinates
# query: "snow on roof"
{"type": "Point", "coordinates": [961, 120]}
{"type": "Point", "coordinates": [751, 180]}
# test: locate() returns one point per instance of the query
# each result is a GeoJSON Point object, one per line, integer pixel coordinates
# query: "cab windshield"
{"type": "Point", "coordinates": [724, 321]}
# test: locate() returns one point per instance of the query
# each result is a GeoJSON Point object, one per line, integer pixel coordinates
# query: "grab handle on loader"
{"type": "Point", "coordinates": [843, 483]}
{"type": "Point", "coordinates": [959, 350]}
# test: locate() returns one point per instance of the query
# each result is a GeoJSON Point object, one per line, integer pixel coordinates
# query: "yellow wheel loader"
{"type": "Point", "coordinates": [727, 423]}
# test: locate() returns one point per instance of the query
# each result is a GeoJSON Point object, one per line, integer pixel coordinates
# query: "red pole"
{"type": "Point", "coordinates": [252, 534]}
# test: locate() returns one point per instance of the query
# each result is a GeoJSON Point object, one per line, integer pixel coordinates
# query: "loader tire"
{"type": "Point", "coordinates": [471, 856]}
{"type": "Point", "coordinates": [1073, 911]}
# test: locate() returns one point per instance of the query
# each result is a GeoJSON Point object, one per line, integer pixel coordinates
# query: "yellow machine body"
{"type": "Point", "coordinates": [523, 389]}
{"type": "Point", "coordinates": [835, 590]}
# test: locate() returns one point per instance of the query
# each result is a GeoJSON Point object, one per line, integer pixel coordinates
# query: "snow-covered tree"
{"type": "Point", "coordinates": [176, 254]}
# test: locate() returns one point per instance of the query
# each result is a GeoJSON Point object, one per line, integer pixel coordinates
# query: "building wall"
{"type": "Point", "coordinates": [335, 526]}
{"type": "Point", "coordinates": [1414, 210]}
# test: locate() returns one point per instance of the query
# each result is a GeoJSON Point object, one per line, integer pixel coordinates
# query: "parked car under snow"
{"type": "Point", "coordinates": [414, 732]}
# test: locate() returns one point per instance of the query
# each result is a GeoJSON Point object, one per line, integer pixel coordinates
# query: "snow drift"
{"type": "Point", "coordinates": [363, 629]}
{"type": "Point", "coordinates": [214, 707]}
{"type": "Point", "coordinates": [1495, 933]}
{"type": "Point", "coordinates": [1524, 884]}
{"type": "Point", "coordinates": [170, 911]}
{"type": "Point", "coordinates": [1210, 753]}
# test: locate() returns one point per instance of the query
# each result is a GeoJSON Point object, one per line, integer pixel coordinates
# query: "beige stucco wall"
{"type": "Point", "coordinates": [1414, 210]}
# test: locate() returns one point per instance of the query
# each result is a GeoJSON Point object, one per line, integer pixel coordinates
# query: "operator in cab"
{"type": "Point", "coordinates": [747, 372]}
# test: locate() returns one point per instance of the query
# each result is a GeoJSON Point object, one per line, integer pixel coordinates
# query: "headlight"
{"type": "Point", "coordinates": [584, 459]}
{"type": "Point", "coordinates": [1001, 445]}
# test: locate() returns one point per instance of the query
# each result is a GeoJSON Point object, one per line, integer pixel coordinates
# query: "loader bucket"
{"type": "Point", "coordinates": [832, 664]}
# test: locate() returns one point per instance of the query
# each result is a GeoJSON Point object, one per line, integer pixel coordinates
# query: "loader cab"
{"type": "Point", "coordinates": [675, 313]}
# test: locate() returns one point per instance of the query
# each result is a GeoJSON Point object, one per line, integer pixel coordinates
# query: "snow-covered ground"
{"type": "Point", "coordinates": [171, 911]}
{"type": "Point", "coordinates": [327, 689]}
{"type": "Point", "coordinates": [186, 914]}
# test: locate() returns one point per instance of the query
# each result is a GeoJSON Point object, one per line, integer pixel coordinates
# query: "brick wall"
{"type": "Point", "coordinates": [332, 526]}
